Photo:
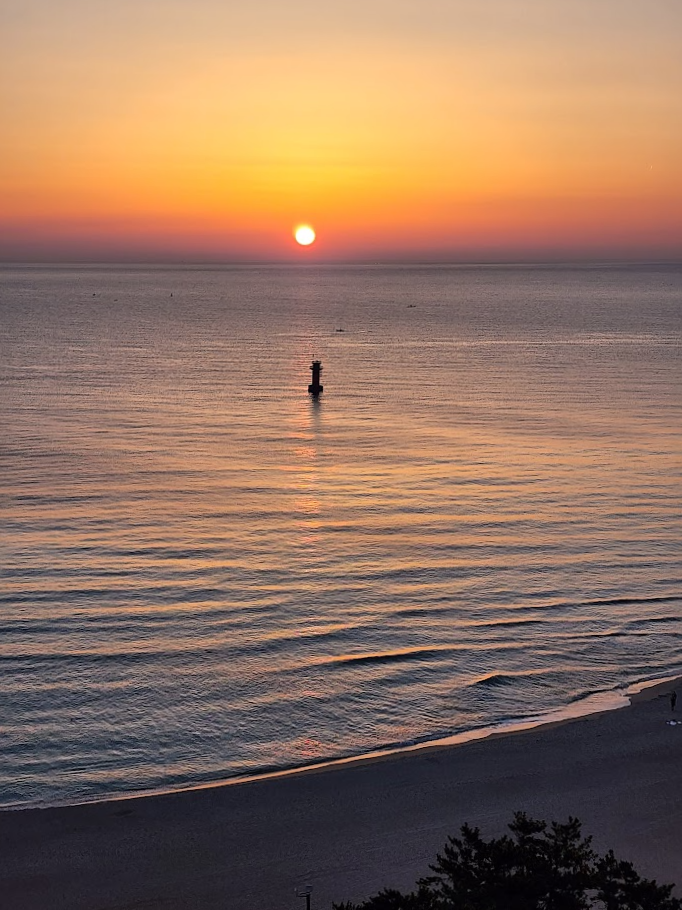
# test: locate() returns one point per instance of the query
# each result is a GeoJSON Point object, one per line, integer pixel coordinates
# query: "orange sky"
{"type": "Point", "coordinates": [160, 129]}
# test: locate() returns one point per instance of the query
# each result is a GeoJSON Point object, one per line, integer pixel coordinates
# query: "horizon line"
{"type": "Point", "coordinates": [341, 263]}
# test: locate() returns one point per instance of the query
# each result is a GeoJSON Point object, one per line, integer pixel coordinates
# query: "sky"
{"type": "Point", "coordinates": [431, 130]}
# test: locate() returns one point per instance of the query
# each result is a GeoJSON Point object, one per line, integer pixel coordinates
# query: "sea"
{"type": "Point", "coordinates": [207, 574]}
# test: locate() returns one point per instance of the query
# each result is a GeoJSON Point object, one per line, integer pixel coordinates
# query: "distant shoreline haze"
{"type": "Point", "coordinates": [30, 244]}
{"type": "Point", "coordinates": [609, 259]}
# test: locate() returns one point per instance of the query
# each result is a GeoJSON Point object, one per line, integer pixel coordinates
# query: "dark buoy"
{"type": "Point", "coordinates": [315, 388]}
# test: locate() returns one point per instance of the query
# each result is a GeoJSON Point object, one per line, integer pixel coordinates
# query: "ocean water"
{"type": "Point", "coordinates": [205, 573]}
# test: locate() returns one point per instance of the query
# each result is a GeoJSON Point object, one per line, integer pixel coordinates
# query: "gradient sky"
{"type": "Point", "coordinates": [415, 129]}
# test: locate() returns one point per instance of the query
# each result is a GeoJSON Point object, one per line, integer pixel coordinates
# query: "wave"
{"type": "Point", "coordinates": [621, 601]}
{"type": "Point", "coordinates": [606, 601]}
{"type": "Point", "coordinates": [388, 657]}
{"type": "Point", "coordinates": [493, 681]}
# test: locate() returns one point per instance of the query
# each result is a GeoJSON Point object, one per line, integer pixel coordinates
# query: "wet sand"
{"type": "Point", "coordinates": [349, 830]}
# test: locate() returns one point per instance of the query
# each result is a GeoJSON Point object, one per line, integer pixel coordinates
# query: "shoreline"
{"type": "Point", "coordinates": [589, 706]}
{"type": "Point", "coordinates": [350, 829]}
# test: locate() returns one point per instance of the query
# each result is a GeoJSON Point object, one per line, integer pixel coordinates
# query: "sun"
{"type": "Point", "coordinates": [304, 235]}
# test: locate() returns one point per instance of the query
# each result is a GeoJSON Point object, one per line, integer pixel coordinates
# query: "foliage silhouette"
{"type": "Point", "coordinates": [536, 867]}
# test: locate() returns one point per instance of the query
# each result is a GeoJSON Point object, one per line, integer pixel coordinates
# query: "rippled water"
{"type": "Point", "coordinates": [205, 573]}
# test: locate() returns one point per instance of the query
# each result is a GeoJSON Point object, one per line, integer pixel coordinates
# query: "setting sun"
{"type": "Point", "coordinates": [304, 235]}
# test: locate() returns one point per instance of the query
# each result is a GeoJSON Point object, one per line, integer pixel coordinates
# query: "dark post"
{"type": "Point", "coordinates": [315, 388]}
{"type": "Point", "coordinates": [306, 892]}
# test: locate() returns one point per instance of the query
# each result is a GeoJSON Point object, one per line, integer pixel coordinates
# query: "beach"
{"type": "Point", "coordinates": [348, 830]}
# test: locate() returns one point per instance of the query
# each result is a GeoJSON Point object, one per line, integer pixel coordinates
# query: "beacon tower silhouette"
{"type": "Point", "coordinates": [315, 388]}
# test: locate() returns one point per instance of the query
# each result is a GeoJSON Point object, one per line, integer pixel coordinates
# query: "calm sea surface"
{"type": "Point", "coordinates": [204, 573]}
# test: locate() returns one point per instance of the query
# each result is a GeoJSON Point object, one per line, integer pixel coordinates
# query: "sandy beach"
{"type": "Point", "coordinates": [349, 830]}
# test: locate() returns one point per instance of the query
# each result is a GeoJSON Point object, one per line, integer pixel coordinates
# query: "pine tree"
{"type": "Point", "coordinates": [535, 867]}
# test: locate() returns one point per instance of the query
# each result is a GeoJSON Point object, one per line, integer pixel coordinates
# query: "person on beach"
{"type": "Point", "coordinates": [673, 699]}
